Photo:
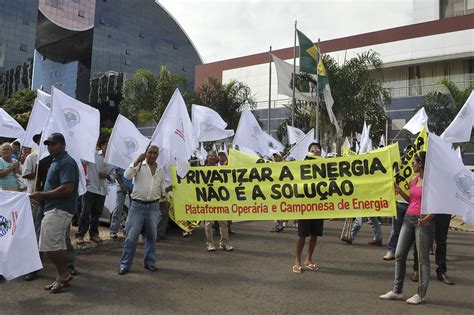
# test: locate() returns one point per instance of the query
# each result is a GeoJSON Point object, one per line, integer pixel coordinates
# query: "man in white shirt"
{"type": "Point", "coordinates": [144, 210]}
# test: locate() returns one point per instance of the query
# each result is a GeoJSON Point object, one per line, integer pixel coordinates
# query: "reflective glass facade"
{"type": "Point", "coordinates": [92, 36]}
{"type": "Point", "coordinates": [17, 32]}
{"type": "Point", "coordinates": [128, 37]}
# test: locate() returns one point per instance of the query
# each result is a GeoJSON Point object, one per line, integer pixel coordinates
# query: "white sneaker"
{"type": "Point", "coordinates": [211, 248]}
{"type": "Point", "coordinates": [227, 248]}
{"type": "Point", "coordinates": [415, 300]}
{"type": "Point", "coordinates": [392, 296]}
{"type": "Point", "coordinates": [389, 256]}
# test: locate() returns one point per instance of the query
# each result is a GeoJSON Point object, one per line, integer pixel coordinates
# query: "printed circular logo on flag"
{"type": "Point", "coordinates": [72, 117]}
{"type": "Point", "coordinates": [465, 113]}
{"type": "Point", "coordinates": [5, 225]}
{"type": "Point", "coordinates": [131, 145]}
{"type": "Point", "coordinates": [208, 124]}
{"type": "Point", "coordinates": [465, 183]}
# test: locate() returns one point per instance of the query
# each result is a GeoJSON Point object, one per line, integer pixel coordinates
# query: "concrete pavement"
{"type": "Point", "coordinates": [254, 279]}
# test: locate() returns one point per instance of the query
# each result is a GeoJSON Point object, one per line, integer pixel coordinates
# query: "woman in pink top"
{"type": "Point", "coordinates": [416, 227]}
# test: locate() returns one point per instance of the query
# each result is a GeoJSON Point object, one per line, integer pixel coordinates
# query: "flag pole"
{"type": "Point", "coordinates": [293, 100]}
{"type": "Point", "coordinates": [269, 88]}
{"type": "Point", "coordinates": [317, 100]}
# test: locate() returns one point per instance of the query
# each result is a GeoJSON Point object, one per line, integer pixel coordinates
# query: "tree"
{"type": "Point", "coordinates": [19, 105]}
{"type": "Point", "coordinates": [441, 108]}
{"type": "Point", "coordinates": [359, 95]}
{"type": "Point", "coordinates": [226, 99]}
{"type": "Point", "coordinates": [140, 97]}
{"type": "Point", "coordinates": [146, 95]}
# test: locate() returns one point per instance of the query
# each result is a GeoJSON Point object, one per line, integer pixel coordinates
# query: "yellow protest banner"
{"type": "Point", "coordinates": [238, 158]}
{"type": "Point", "coordinates": [405, 173]}
{"type": "Point", "coordinates": [394, 150]}
{"type": "Point", "coordinates": [347, 152]}
{"type": "Point", "coordinates": [187, 226]}
{"type": "Point", "coordinates": [354, 186]}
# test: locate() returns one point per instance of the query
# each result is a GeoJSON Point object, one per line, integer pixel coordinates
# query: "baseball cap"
{"type": "Point", "coordinates": [55, 138]}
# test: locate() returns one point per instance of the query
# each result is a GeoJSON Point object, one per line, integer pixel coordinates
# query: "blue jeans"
{"type": "Point", "coordinates": [423, 235]}
{"type": "Point", "coordinates": [118, 212]}
{"type": "Point", "coordinates": [375, 227]}
{"type": "Point", "coordinates": [396, 227]}
{"type": "Point", "coordinates": [140, 215]}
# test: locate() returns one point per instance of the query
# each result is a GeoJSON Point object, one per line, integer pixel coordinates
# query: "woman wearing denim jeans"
{"type": "Point", "coordinates": [416, 227]}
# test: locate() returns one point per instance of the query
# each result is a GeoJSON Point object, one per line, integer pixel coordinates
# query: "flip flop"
{"type": "Point", "coordinates": [297, 269]}
{"type": "Point", "coordinates": [312, 267]}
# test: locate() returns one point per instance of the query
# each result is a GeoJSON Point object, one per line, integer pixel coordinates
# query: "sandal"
{"type": "Point", "coordinates": [297, 269]}
{"type": "Point", "coordinates": [312, 267]}
{"type": "Point", "coordinates": [57, 285]}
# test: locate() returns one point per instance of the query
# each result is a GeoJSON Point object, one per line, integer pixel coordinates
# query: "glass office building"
{"type": "Point", "coordinates": [74, 41]}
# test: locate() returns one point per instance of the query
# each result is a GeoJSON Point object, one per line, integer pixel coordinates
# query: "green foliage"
{"type": "Point", "coordinates": [226, 99]}
{"type": "Point", "coordinates": [105, 132]}
{"type": "Point", "coordinates": [441, 108]}
{"type": "Point", "coordinates": [358, 96]}
{"type": "Point", "coordinates": [19, 105]}
{"type": "Point", "coordinates": [146, 95]}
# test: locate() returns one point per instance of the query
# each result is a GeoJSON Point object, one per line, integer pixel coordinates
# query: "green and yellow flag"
{"type": "Point", "coordinates": [311, 61]}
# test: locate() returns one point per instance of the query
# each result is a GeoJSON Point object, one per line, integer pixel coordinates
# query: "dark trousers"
{"type": "Point", "coordinates": [441, 235]}
{"type": "Point", "coordinates": [92, 207]}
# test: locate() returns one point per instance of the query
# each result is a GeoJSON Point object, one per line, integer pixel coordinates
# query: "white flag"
{"type": "Point", "coordinates": [82, 122]}
{"type": "Point", "coordinates": [208, 125]}
{"type": "Point", "coordinates": [460, 128]}
{"type": "Point", "coordinates": [417, 122]}
{"type": "Point", "coordinates": [38, 118]}
{"type": "Point", "coordinates": [18, 246]}
{"type": "Point", "coordinates": [448, 184]}
{"type": "Point", "coordinates": [248, 151]}
{"type": "Point", "coordinates": [347, 144]}
{"type": "Point", "coordinates": [300, 150]}
{"type": "Point", "coordinates": [284, 75]}
{"type": "Point", "coordinates": [365, 141]}
{"type": "Point", "coordinates": [57, 122]}
{"type": "Point", "coordinates": [294, 134]}
{"type": "Point", "coordinates": [175, 133]}
{"type": "Point", "coordinates": [126, 143]}
{"type": "Point", "coordinates": [203, 154]}
{"type": "Point", "coordinates": [329, 101]}
{"type": "Point", "coordinates": [44, 98]}
{"type": "Point", "coordinates": [382, 141]}
{"type": "Point", "coordinates": [249, 134]}
{"type": "Point", "coordinates": [273, 144]}
{"type": "Point", "coordinates": [9, 127]}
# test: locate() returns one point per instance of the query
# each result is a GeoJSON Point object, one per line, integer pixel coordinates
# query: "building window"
{"type": "Point", "coordinates": [398, 124]}
{"type": "Point", "coordinates": [24, 47]}
{"type": "Point", "coordinates": [55, 4]}
{"type": "Point", "coordinates": [414, 81]}
{"type": "Point", "coordinates": [450, 8]}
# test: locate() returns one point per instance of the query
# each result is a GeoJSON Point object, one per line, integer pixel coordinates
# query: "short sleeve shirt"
{"type": "Point", "coordinates": [9, 181]}
{"type": "Point", "coordinates": [63, 170]}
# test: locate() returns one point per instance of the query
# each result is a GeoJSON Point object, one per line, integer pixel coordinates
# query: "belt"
{"type": "Point", "coordinates": [145, 202]}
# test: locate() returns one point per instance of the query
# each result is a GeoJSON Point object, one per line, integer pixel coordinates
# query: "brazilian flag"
{"type": "Point", "coordinates": [311, 61]}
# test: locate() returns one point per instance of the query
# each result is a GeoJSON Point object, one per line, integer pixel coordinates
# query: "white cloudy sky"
{"type": "Point", "coordinates": [226, 29]}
